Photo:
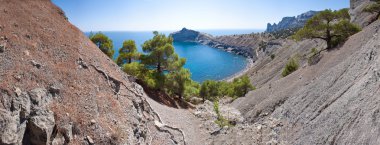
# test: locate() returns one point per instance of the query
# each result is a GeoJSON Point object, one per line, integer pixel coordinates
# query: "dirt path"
{"type": "Point", "coordinates": [183, 119]}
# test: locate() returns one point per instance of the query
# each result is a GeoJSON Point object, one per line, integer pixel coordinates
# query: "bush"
{"type": "Point", "coordinates": [191, 90]}
{"type": "Point", "coordinates": [177, 82]}
{"type": "Point", "coordinates": [220, 120]}
{"type": "Point", "coordinates": [134, 69]}
{"type": "Point", "coordinates": [211, 90]}
{"type": "Point", "coordinates": [290, 67]}
{"type": "Point", "coordinates": [373, 8]}
{"type": "Point", "coordinates": [272, 56]}
{"type": "Point", "coordinates": [314, 57]}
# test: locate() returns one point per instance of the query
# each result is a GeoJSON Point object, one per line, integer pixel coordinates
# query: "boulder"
{"type": "Point", "coordinates": [41, 127]}
{"type": "Point", "coordinates": [8, 128]}
{"type": "Point", "coordinates": [2, 48]}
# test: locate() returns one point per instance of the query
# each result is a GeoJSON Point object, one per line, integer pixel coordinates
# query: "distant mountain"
{"type": "Point", "coordinates": [291, 22]}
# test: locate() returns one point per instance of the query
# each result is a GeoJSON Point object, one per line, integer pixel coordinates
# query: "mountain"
{"type": "Point", "coordinates": [57, 87]}
{"type": "Point", "coordinates": [291, 22]}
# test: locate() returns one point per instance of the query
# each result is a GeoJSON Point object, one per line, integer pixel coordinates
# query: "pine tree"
{"type": "Point", "coordinates": [177, 81]}
{"type": "Point", "coordinates": [127, 53]}
{"type": "Point", "coordinates": [103, 42]}
{"type": "Point", "coordinates": [331, 26]}
{"type": "Point", "coordinates": [161, 55]}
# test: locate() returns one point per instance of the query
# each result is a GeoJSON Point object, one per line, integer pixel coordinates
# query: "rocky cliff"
{"type": "Point", "coordinates": [57, 87]}
{"type": "Point", "coordinates": [291, 22]}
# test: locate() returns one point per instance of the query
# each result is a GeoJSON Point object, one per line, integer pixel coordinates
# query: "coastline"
{"type": "Point", "coordinates": [240, 73]}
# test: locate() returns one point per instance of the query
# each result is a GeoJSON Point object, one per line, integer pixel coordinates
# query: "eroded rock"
{"type": "Point", "coordinates": [41, 127]}
{"type": "Point", "coordinates": [8, 128]}
{"type": "Point", "coordinates": [2, 48]}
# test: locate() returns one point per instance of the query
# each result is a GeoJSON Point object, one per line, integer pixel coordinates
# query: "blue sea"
{"type": "Point", "coordinates": [204, 62]}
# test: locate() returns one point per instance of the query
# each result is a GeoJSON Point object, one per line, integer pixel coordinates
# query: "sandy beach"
{"type": "Point", "coordinates": [240, 73]}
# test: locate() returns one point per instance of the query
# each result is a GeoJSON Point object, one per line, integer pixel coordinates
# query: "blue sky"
{"type": "Point", "coordinates": [147, 15]}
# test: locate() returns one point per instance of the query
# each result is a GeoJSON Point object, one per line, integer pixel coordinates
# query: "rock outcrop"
{"type": "Point", "coordinates": [186, 35]}
{"type": "Point", "coordinates": [291, 22]}
{"type": "Point", "coordinates": [358, 15]}
{"type": "Point", "coordinates": [57, 87]}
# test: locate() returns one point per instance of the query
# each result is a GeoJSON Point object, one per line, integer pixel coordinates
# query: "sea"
{"type": "Point", "coordinates": [204, 62]}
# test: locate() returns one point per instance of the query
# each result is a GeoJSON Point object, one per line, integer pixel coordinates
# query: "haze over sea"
{"type": "Point", "coordinates": [204, 62]}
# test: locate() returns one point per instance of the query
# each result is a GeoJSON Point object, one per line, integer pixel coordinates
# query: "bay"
{"type": "Point", "coordinates": [204, 62]}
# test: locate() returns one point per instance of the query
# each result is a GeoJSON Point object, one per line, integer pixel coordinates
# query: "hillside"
{"type": "Point", "coordinates": [57, 87]}
{"type": "Point", "coordinates": [335, 101]}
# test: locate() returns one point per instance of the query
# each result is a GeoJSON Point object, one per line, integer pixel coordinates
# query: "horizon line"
{"type": "Point", "coordinates": [165, 30]}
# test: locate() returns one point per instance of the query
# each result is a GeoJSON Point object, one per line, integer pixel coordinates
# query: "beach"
{"type": "Point", "coordinates": [240, 73]}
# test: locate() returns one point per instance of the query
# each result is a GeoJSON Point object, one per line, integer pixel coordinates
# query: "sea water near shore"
{"type": "Point", "coordinates": [204, 62]}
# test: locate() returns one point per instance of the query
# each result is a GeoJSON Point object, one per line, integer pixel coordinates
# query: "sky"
{"type": "Point", "coordinates": [148, 15]}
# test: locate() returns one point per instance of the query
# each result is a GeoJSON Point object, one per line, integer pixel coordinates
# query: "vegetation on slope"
{"type": "Point", "coordinates": [334, 27]}
{"type": "Point", "coordinates": [161, 69]}
{"type": "Point", "coordinates": [127, 53]}
{"type": "Point", "coordinates": [220, 120]}
{"type": "Point", "coordinates": [103, 42]}
{"type": "Point", "coordinates": [290, 67]}
{"type": "Point", "coordinates": [211, 90]}
{"type": "Point", "coordinates": [374, 8]}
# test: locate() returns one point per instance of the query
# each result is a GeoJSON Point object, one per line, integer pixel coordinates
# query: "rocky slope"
{"type": "Point", "coordinates": [57, 87]}
{"type": "Point", "coordinates": [291, 22]}
{"type": "Point", "coordinates": [335, 101]}
{"type": "Point", "coordinates": [358, 16]}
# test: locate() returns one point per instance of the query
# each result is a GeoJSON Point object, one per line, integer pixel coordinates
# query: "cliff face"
{"type": "Point", "coordinates": [57, 87]}
{"type": "Point", "coordinates": [291, 22]}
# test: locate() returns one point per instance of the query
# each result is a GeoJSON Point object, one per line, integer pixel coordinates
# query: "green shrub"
{"type": "Point", "coordinates": [134, 69]}
{"type": "Point", "coordinates": [192, 90]}
{"type": "Point", "coordinates": [212, 90]}
{"type": "Point", "coordinates": [290, 67]}
{"type": "Point", "coordinates": [314, 57]}
{"type": "Point", "coordinates": [220, 120]}
{"type": "Point", "coordinates": [373, 8]}
{"type": "Point", "coordinates": [314, 51]}
{"type": "Point", "coordinates": [241, 86]}
{"type": "Point", "coordinates": [272, 56]}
